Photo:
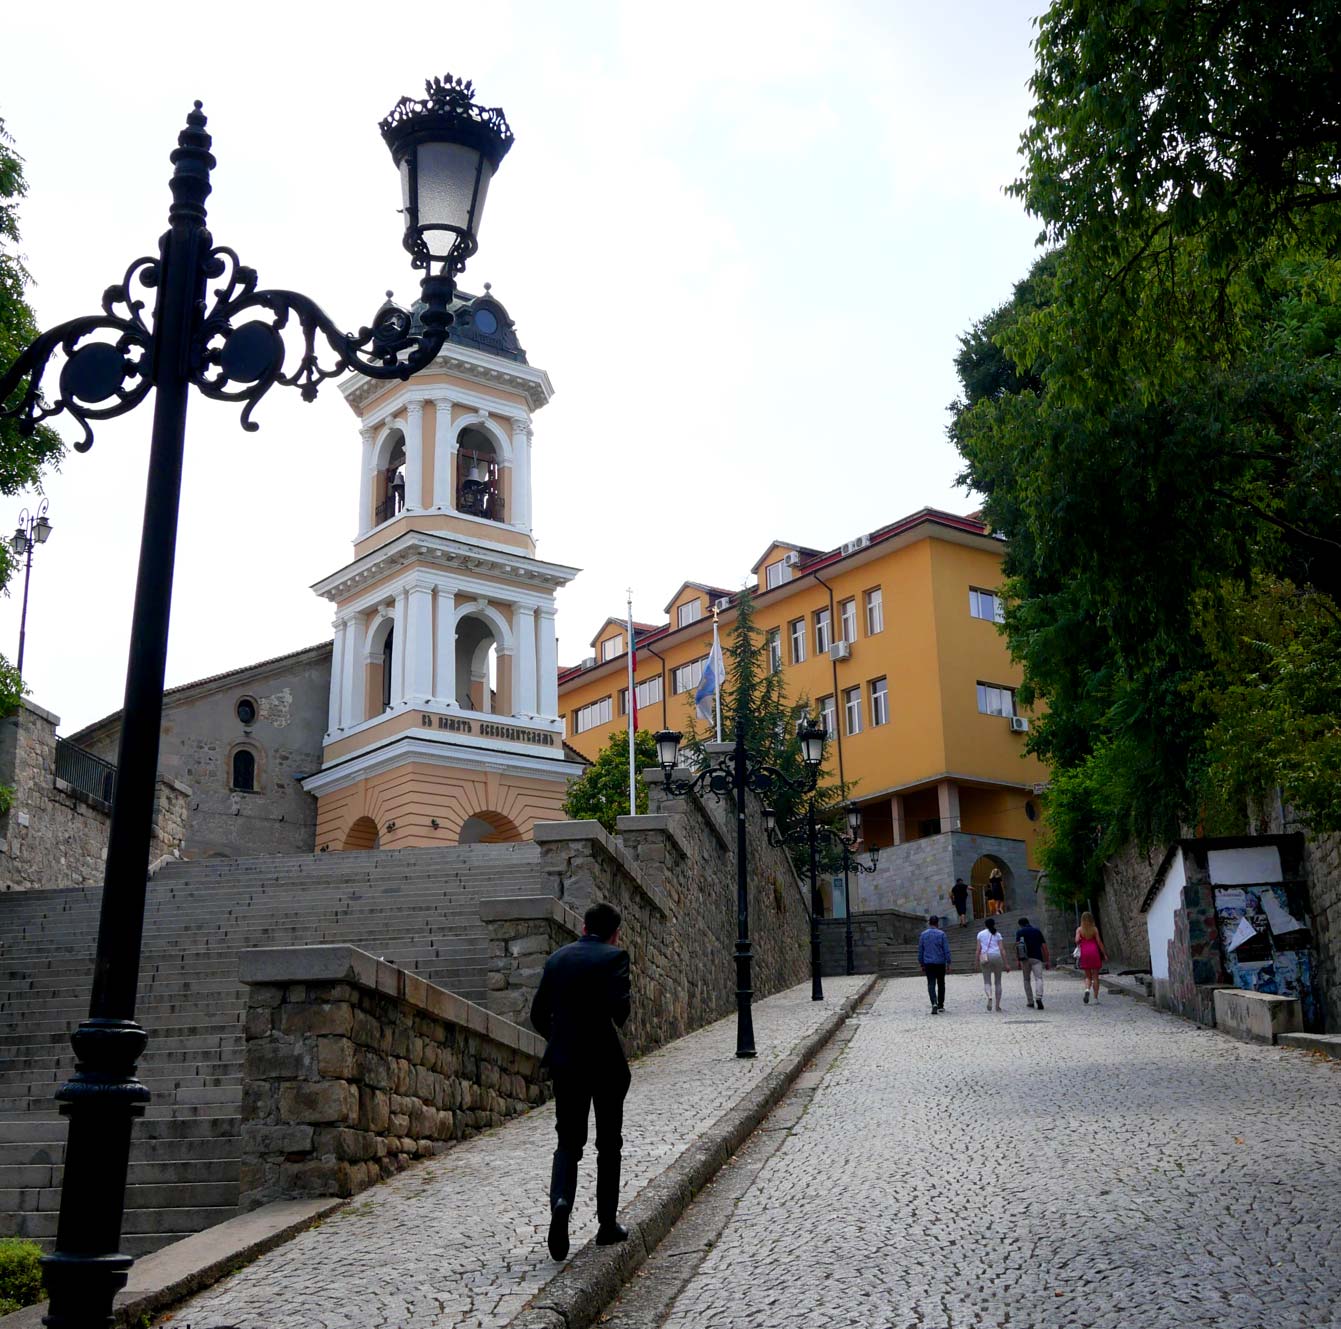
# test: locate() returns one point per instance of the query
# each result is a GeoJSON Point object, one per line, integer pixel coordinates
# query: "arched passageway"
{"type": "Point", "coordinates": [363, 834]}
{"type": "Point", "coordinates": [982, 869]}
{"type": "Point", "coordinates": [488, 828]}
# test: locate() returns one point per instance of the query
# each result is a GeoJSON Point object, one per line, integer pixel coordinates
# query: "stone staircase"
{"type": "Point", "coordinates": [891, 957]}
{"type": "Point", "coordinates": [417, 908]}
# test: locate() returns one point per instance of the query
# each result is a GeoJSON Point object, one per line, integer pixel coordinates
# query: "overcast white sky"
{"type": "Point", "coordinates": [742, 238]}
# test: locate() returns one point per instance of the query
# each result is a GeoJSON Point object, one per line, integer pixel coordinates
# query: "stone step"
{"type": "Point", "coordinates": [175, 1220]}
{"type": "Point", "coordinates": [146, 1131]}
{"type": "Point", "coordinates": [170, 1154]}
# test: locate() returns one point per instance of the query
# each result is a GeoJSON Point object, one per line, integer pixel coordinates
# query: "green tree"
{"type": "Point", "coordinates": [601, 792]}
{"type": "Point", "coordinates": [755, 692]}
{"type": "Point", "coordinates": [22, 457]}
{"type": "Point", "coordinates": [1153, 419]}
{"type": "Point", "coordinates": [20, 1275]}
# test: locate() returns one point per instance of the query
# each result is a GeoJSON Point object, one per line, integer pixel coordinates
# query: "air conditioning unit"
{"type": "Point", "coordinates": [840, 650]}
{"type": "Point", "coordinates": [722, 602]}
{"type": "Point", "coordinates": [1019, 725]}
{"type": "Point", "coordinates": [860, 542]}
{"type": "Point", "coordinates": [588, 663]}
{"type": "Point", "coordinates": [791, 560]}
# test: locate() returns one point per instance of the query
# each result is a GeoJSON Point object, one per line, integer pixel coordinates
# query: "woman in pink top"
{"type": "Point", "coordinates": [1092, 953]}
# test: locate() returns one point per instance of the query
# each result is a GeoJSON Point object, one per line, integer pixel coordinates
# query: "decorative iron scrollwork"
{"type": "Point", "coordinates": [241, 359]}
{"type": "Point", "coordinates": [116, 372]}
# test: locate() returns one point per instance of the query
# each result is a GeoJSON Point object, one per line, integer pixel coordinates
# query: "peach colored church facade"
{"type": "Point", "coordinates": [443, 723]}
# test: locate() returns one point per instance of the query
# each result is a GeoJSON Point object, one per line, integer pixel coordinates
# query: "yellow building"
{"type": "Point", "coordinates": [894, 638]}
{"type": "Point", "coordinates": [444, 720]}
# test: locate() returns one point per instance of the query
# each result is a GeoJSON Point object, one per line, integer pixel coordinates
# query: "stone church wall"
{"type": "Point", "coordinates": [53, 835]}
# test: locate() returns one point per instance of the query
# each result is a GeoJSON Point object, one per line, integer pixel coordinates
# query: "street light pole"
{"type": "Point", "coordinates": [744, 953]}
{"type": "Point", "coordinates": [737, 776]}
{"type": "Point", "coordinates": [234, 350]}
{"type": "Point", "coordinates": [816, 904]}
{"type": "Point", "coordinates": [33, 528]}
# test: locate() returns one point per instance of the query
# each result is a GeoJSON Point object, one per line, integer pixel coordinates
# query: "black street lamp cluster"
{"type": "Point", "coordinates": [33, 529]}
{"type": "Point", "coordinates": [230, 343]}
{"type": "Point", "coordinates": [809, 836]}
{"type": "Point", "coordinates": [735, 774]}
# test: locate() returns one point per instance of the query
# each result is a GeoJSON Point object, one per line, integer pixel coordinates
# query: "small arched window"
{"type": "Point", "coordinates": [244, 770]}
{"type": "Point", "coordinates": [388, 651]}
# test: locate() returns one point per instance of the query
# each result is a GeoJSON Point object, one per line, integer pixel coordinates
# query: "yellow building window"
{"type": "Point", "coordinates": [875, 611]}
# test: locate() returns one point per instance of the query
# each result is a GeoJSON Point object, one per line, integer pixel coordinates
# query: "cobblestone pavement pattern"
{"type": "Point", "coordinates": [459, 1240]}
{"type": "Point", "coordinates": [1097, 1166]}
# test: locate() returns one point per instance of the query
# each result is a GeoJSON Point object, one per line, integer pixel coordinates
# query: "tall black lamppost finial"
{"type": "Point", "coordinates": [215, 328]}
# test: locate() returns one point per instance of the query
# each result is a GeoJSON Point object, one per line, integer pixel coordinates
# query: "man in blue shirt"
{"type": "Point", "coordinates": [933, 954]}
{"type": "Point", "coordinates": [1032, 950]}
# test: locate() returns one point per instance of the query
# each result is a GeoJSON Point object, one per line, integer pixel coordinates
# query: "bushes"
{"type": "Point", "coordinates": [20, 1275]}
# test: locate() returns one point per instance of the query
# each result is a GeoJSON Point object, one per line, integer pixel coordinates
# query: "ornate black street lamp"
{"type": "Point", "coordinates": [33, 529]}
{"type": "Point", "coordinates": [213, 327]}
{"type": "Point", "coordinates": [809, 836]}
{"type": "Point", "coordinates": [737, 775]}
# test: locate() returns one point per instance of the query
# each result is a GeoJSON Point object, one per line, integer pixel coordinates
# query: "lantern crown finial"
{"type": "Point", "coordinates": [449, 103]}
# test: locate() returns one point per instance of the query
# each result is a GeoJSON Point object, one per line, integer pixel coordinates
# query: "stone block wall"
{"type": "Point", "coordinates": [1322, 870]}
{"type": "Point", "coordinates": [354, 1068]}
{"type": "Point", "coordinates": [916, 876]}
{"type": "Point", "coordinates": [53, 835]}
{"type": "Point", "coordinates": [876, 934]}
{"type": "Point", "coordinates": [1127, 878]}
{"type": "Point", "coordinates": [523, 932]}
{"type": "Point", "coordinates": [672, 874]}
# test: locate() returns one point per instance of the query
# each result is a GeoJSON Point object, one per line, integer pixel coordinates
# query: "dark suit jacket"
{"type": "Point", "coordinates": [583, 996]}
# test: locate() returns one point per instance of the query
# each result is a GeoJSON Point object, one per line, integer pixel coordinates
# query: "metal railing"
{"type": "Point", "coordinates": [85, 773]}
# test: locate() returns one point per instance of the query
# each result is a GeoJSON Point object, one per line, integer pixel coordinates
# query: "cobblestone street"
{"type": "Point", "coordinates": [1080, 1166]}
{"type": "Point", "coordinates": [460, 1239]}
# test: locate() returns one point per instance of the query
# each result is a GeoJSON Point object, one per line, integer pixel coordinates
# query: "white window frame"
{"type": "Point", "coordinates": [847, 618]}
{"type": "Point", "coordinates": [993, 699]}
{"type": "Point", "coordinates": [774, 650]}
{"type": "Point", "coordinates": [823, 631]}
{"type": "Point", "coordinates": [693, 672]}
{"type": "Point", "coordinates": [828, 714]}
{"type": "Point", "coordinates": [648, 692]}
{"type": "Point", "coordinates": [852, 710]}
{"type": "Point", "coordinates": [879, 702]}
{"type": "Point", "coordinates": [797, 631]}
{"type": "Point", "coordinates": [689, 613]}
{"type": "Point", "coordinates": [875, 611]}
{"type": "Point", "coordinates": [612, 647]}
{"type": "Point", "coordinates": [775, 574]}
{"type": "Point", "coordinates": [592, 715]}
{"type": "Point", "coordinates": [986, 605]}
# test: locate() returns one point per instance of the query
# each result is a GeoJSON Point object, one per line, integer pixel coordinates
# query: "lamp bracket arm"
{"type": "Point", "coordinates": [101, 376]}
{"type": "Point", "coordinates": [239, 358]}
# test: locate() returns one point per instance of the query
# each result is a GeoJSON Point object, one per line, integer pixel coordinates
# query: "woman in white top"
{"type": "Point", "coordinates": [991, 959]}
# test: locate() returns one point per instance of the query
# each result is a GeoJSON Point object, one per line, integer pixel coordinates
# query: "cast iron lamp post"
{"type": "Point", "coordinates": [33, 529]}
{"type": "Point", "coordinates": [737, 775]}
{"type": "Point", "coordinates": [810, 838]}
{"type": "Point", "coordinates": [228, 342]}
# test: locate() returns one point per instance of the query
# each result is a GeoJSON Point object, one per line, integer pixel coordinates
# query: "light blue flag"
{"type": "Point", "coordinates": [710, 684]}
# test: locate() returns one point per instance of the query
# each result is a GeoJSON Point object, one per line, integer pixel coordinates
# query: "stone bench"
{"type": "Point", "coordinates": [1256, 1017]}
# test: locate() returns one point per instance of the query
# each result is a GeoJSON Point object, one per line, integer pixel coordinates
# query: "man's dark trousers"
{"type": "Point", "coordinates": [582, 998]}
{"type": "Point", "coordinates": [936, 983]}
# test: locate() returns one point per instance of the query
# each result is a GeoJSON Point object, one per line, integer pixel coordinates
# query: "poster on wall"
{"type": "Point", "coordinates": [1267, 946]}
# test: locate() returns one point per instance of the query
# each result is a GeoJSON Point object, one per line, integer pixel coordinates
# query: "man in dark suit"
{"type": "Point", "coordinates": [582, 999]}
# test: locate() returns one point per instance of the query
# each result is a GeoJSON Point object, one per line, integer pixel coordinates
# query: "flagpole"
{"type": "Point", "coordinates": [633, 719]}
{"type": "Point", "coordinates": [717, 690]}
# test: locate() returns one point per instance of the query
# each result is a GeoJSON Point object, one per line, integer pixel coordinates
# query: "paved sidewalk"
{"type": "Point", "coordinates": [1080, 1167]}
{"type": "Point", "coordinates": [459, 1240]}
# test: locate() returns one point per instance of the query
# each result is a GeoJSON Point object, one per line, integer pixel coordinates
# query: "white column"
{"type": "Point", "coordinates": [442, 453]}
{"type": "Point", "coordinates": [547, 663]}
{"type": "Point", "coordinates": [365, 520]}
{"type": "Point", "coordinates": [398, 644]}
{"type": "Point", "coordinates": [947, 796]}
{"type": "Point", "coordinates": [524, 661]}
{"type": "Point", "coordinates": [351, 706]}
{"type": "Point", "coordinates": [335, 710]}
{"type": "Point", "coordinates": [444, 678]}
{"type": "Point", "coordinates": [414, 455]}
{"type": "Point", "coordinates": [419, 644]}
{"type": "Point", "coordinates": [521, 474]}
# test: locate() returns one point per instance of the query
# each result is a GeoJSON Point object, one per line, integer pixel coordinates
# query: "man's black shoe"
{"type": "Point", "coordinates": [611, 1234]}
{"type": "Point", "coordinates": [1039, 1004]}
{"type": "Point", "coordinates": [558, 1231]}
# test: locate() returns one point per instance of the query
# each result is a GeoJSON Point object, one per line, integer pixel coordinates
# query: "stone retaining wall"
{"type": "Point", "coordinates": [524, 930]}
{"type": "Point", "coordinates": [354, 1068]}
{"type": "Point", "coordinates": [53, 835]}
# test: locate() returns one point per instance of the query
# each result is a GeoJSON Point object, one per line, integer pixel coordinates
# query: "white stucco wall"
{"type": "Point", "coordinates": [1159, 917]}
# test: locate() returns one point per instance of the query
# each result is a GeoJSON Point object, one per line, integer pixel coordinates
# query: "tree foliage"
{"type": "Point", "coordinates": [1153, 419]}
{"type": "Point", "coordinates": [601, 792]}
{"type": "Point", "coordinates": [756, 693]}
